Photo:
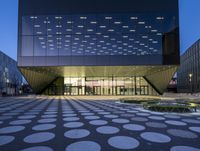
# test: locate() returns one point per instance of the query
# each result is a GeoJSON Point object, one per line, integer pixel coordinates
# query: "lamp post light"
{"type": "Point", "coordinates": [190, 80]}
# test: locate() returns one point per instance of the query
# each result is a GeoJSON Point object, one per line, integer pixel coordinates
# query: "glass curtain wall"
{"type": "Point", "coordinates": [107, 86]}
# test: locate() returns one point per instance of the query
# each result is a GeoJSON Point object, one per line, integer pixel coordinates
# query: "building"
{"type": "Point", "coordinates": [10, 77]}
{"type": "Point", "coordinates": [98, 47]}
{"type": "Point", "coordinates": [189, 71]}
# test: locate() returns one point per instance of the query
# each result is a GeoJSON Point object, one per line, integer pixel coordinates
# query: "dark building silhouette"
{"type": "Point", "coordinates": [10, 76]}
{"type": "Point", "coordinates": [189, 71]}
{"type": "Point", "coordinates": [105, 47]}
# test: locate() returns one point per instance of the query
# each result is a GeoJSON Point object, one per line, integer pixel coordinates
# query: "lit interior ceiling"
{"type": "Point", "coordinates": [95, 71]}
{"type": "Point", "coordinates": [97, 34]}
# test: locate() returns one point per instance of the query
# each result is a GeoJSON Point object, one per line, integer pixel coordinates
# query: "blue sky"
{"type": "Point", "coordinates": [189, 22]}
{"type": "Point", "coordinates": [189, 25]}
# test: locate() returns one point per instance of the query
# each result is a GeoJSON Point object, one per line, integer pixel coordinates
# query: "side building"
{"type": "Point", "coordinates": [188, 75]}
{"type": "Point", "coordinates": [10, 76]}
{"type": "Point", "coordinates": [98, 47]}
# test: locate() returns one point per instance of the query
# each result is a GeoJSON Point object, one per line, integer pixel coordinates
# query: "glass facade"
{"type": "Point", "coordinates": [103, 86]}
{"type": "Point", "coordinates": [190, 64]}
{"type": "Point", "coordinates": [95, 34]}
{"type": "Point", "coordinates": [107, 86]}
{"type": "Point", "coordinates": [95, 46]}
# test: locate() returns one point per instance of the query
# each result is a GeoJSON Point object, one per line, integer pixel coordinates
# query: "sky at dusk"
{"type": "Point", "coordinates": [189, 25]}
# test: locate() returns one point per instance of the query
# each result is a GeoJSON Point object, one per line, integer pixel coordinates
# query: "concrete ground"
{"type": "Point", "coordinates": [92, 124]}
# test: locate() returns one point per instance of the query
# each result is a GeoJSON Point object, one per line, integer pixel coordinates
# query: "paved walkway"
{"type": "Point", "coordinates": [69, 124]}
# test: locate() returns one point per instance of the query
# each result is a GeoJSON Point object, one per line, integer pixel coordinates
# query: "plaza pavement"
{"type": "Point", "coordinates": [40, 123]}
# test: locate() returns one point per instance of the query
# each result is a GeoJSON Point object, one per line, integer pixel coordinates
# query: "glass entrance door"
{"type": "Point", "coordinates": [120, 90]}
{"type": "Point", "coordinates": [74, 90]}
{"type": "Point", "coordinates": [67, 90]}
{"type": "Point", "coordinates": [97, 90]}
{"type": "Point", "coordinates": [144, 90]}
{"type": "Point", "coordinates": [80, 91]}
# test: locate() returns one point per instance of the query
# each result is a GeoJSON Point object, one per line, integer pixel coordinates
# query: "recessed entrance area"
{"type": "Point", "coordinates": [107, 86]}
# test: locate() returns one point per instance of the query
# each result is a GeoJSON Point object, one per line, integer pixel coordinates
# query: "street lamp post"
{"type": "Point", "coordinates": [190, 80]}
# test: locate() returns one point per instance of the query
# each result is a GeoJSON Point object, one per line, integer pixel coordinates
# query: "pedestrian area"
{"type": "Point", "coordinates": [74, 124]}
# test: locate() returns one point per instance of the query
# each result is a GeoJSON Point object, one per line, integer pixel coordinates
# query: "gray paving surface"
{"type": "Point", "coordinates": [69, 124]}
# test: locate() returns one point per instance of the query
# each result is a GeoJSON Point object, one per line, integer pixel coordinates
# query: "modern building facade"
{"type": "Point", "coordinates": [103, 47]}
{"type": "Point", "coordinates": [189, 72]}
{"type": "Point", "coordinates": [10, 76]}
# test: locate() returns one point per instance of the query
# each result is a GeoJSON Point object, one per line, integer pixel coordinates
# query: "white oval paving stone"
{"type": "Point", "coordinates": [6, 140]}
{"type": "Point", "coordinates": [68, 111]}
{"type": "Point", "coordinates": [172, 116]}
{"type": "Point", "coordinates": [120, 120]}
{"type": "Point", "coordinates": [11, 129]}
{"type": "Point", "coordinates": [192, 121]}
{"type": "Point", "coordinates": [77, 133]}
{"type": "Point", "coordinates": [156, 125]}
{"type": "Point", "coordinates": [5, 117]}
{"type": "Point", "coordinates": [92, 117]}
{"type": "Point", "coordinates": [182, 133]}
{"type": "Point", "coordinates": [52, 113]}
{"type": "Point", "coordinates": [83, 146]}
{"type": "Point", "coordinates": [32, 113]}
{"type": "Point", "coordinates": [5, 114]}
{"type": "Point", "coordinates": [156, 117]}
{"type": "Point", "coordinates": [48, 116]}
{"type": "Point", "coordinates": [84, 111]}
{"type": "Point", "coordinates": [155, 137]}
{"type": "Point", "coordinates": [143, 114]}
{"type": "Point", "coordinates": [38, 148]}
{"type": "Point", "coordinates": [132, 111]}
{"type": "Point", "coordinates": [87, 113]}
{"type": "Point", "coordinates": [98, 122]}
{"type": "Point", "coordinates": [107, 130]}
{"type": "Point", "coordinates": [98, 110]}
{"type": "Point", "coordinates": [68, 119]}
{"type": "Point", "coordinates": [39, 137]}
{"type": "Point", "coordinates": [195, 129]}
{"type": "Point", "coordinates": [111, 116]}
{"type": "Point", "coordinates": [127, 115]}
{"type": "Point", "coordinates": [43, 127]}
{"type": "Point", "coordinates": [139, 119]}
{"type": "Point", "coordinates": [123, 142]}
{"type": "Point", "coordinates": [20, 122]}
{"type": "Point", "coordinates": [103, 113]}
{"type": "Point", "coordinates": [134, 127]}
{"type": "Point", "coordinates": [73, 124]}
{"type": "Point", "coordinates": [48, 120]}
{"type": "Point", "coordinates": [123, 109]}
{"type": "Point", "coordinates": [184, 148]}
{"type": "Point", "coordinates": [177, 123]}
{"type": "Point", "coordinates": [69, 115]}
{"type": "Point", "coordinates": [27, 117]}
{"type": "Point", "coordinates": [156, 113]}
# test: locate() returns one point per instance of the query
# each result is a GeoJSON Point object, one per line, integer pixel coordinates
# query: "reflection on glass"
{"type": "Point", "coordinates": [40, 45]}
{"type": "Point", "coordinates": [53, 45]}
{"type": "Point", "coordinates": [27, 46]}
{"type": "Point", "coordinates": [27, 25]}
{"type": "Point", "coordinates": [102, 34]}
